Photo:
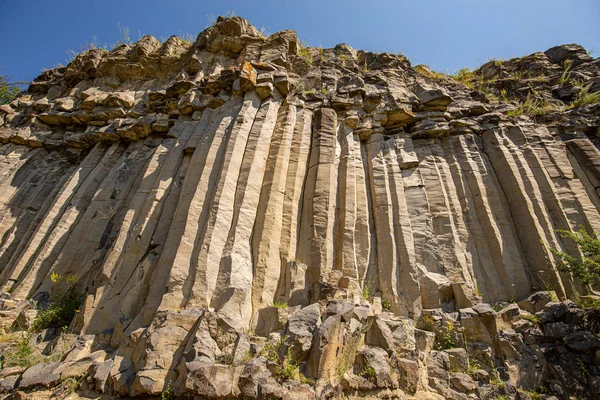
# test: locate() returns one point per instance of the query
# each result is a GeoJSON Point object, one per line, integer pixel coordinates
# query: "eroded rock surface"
{"type": "Point", "coordinates": [244, 217]}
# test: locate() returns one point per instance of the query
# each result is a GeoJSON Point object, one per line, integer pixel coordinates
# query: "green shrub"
{"type": "Point", "coordinates": [586, 268]}
{"type": "Point", "coordinates": [534, 107]}
{"type": "Point", "coordinates": [566, 75]}
{"type": "Point", "coordinates": [280, 304]}
{"type": "Point", "coordinates": [288, 369]}
{"type": "Point", "coordinates": [586, 302]}
{"type": "Point", "coordinates": [465, 76]}
{"type": "Point", "coordinates": [19, 353]}
{"type": "Point", "coordinates": [63, 307]}
{"type": "Point", "coordinates": [368, 371]}
{"type": "Point", "coordinates": [531, 318]}
{"type": "Point", "coordinates": [8, 91]}
{"type": "Point", "coordinates": [58, 314]}
{"type": "Point", "coordinates": [386, 305]}
{"type": "Point", "coordinates": [272, 349]}
{"type": "Point", "coordinates": [446, 340]}
{"type": "Point", "coordinates": [166, 394]}
{"type": "Point", "coordinates": [585, 97]}
{"type": "Point", "coordinates": [366, 292]}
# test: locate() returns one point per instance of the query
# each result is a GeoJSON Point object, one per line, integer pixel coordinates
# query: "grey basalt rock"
{"type": "Point", "coordinates": [300, 328]}
{"type": "Point", "coordinates": [43, 374]}
{"type": "Point", "coordinates": [573, 52]}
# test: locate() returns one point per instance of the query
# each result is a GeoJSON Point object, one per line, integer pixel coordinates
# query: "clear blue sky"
{"type": "Point", "coordinates": [444, 34]}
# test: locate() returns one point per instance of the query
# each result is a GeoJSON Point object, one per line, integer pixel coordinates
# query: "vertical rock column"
{"type": "Point", "coordinates": [181, 249]}
{"type": "Point", "coordinates": [530, 215]}
{"type": "Point", "coordinates": [366, 233]}
{"type": "Point", "coordinates": [96, 231]}
{"type": "Point", "coordinates": [29, 204]}
{"type": "Point", "coordinates": [407, 280]}
{"type": "Point", "coordinates": [427, 252]}
{"type": "Point", "coordinates": [267, 238]}
{"type": "Point", "coordinates": [318, 211]}
{"type": "Point", "coordinates": [438, 186]}
{"type": "Point", "coordinates": [585, 158]}
{"type": "Point", "coordinates": [222, 207]}
{"type": "Point", "coordinates": [578, 207]}
{"type": "Point", "coordinates": [35, 262]}
{"type": "Point", "coordinates": [345, 246]}
{"type": "Point", "coordinates": [397, 278]}
{"type": "Point", "coordinates": [292, 207]}
{"type": "Point", "coordinates": [128, 265]}
{"type": "Point", "coordinates": [498, 260]}
{"type": "Point", "coordinates": [234, 274]}
{"type": "Point", "coordinates": [152, 287]}
{"type": "Point", "coordinates": [558, 200]}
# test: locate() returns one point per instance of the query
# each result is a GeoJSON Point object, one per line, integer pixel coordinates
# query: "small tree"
{"type": "Point", "coordinates": [8, 91]}
{"type": "Point", "coordinates": [586, 269]}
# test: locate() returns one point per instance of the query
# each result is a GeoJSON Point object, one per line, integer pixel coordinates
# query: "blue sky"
{"type": "Point", "coordinates": [444, 34]}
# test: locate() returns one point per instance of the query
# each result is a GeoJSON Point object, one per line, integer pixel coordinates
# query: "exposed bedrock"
{"type": "Point", "coordinates": [243, 199]}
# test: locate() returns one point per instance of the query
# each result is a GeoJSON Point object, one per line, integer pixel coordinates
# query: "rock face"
{"type": "Point", "coordinates": [246, 217]}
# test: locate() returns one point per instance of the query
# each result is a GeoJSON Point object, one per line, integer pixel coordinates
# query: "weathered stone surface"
{"type": "Point", "coordinates": [379, 335]}
{"type": "Point", "coordinates": [43, 374]}
{"type": "Point", "coordinates": [573, 52]}
{"type": "Point", "coordinates": [9, 383]}
{"type": "Point", "coordinates": [535, 302]}
{"type": "Point", "coordinates": [300, 328]}
{"type": "Point", "coordinates": [462, 382]}
{"type": "Point", "coordinates": [458, 359]}
{"type": "Point", "coordinates": [409, 375]}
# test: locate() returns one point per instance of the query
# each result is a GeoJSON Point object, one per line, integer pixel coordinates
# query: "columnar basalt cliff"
{"type": "Point", "coordinates": [247, 217]}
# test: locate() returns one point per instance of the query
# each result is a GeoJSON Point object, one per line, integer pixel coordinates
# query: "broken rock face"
{"type": "Point", "coordinates": [244, 217]}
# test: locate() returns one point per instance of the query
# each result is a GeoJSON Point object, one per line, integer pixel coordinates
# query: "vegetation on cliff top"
{"type": "Point", "coordinates": [8, 90]}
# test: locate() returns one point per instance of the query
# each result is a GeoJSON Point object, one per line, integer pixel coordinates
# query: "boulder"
{"type": "Point", "coordinates": [264, 90]}
{"type": "Point", "coordinates": [573, 52]}
{"type": "Point", "coordinates": [323, 360]}
{"type": "Point", "coordinates": [299, 392]}
{"type": "Point", "coordinates": [379, 334]}
{"type": "Point", "coordinates": [409, 374]}
{"type": "Point", "coordinates": [343, 308]}
{"type": "Point", "coordinates": [509, 313]}
{"type": "Point", "coordinates": [254, 376]}
{"type": "Point", "coordinates": [582, 342]}
{"type": "Point", "coordinates": [247, 77]}
{"type": "Point", "coordinates": [9, 383]}
{"type": "Point", "coordinates": [206, 379]}
{"type": "Point", "coordinates": [462, 382]}
{"type": "Point", "coordinates": [458, 359]}
{"type": "Point", "coordinates": [438, 367]}
{"type": "Point", "coordinates": [149, 382]}
{"type": "Point", "coordinates": [462, 295]}
{"type": "Point", "coordinates": [536, 301]}
{"type": "Point", "coordinates": [474, 328]}
{"type": "Point", "coordinates": [42, 374]}
{"type": "Point", "coordinates": [373, 364]}
{"type": "Point", "coordinates": [24, 320]}
{"type": "Point", "coordinates": [432, 96]}
{"type": "Point", "coordinates": [99, 372]}
{"type": "Point", "coordinates": [299, 331]}
{"type": "Point", "coordinates": [435, 290]}
{"type": "Point", "coordinates": [271, 319]}
{"type": "Point", "coordinates": [424, 340]}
